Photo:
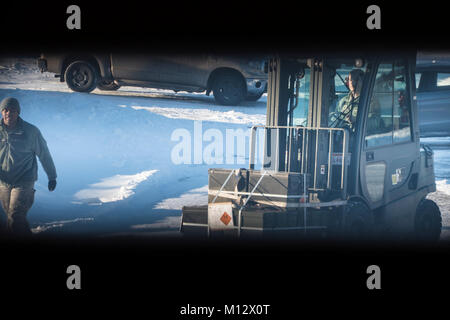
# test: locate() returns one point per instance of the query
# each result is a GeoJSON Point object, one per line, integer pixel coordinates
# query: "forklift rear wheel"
{"type": "Point", "coordinates": [358, 222]}
{"type": "Point", "coordinates": [428, 223]}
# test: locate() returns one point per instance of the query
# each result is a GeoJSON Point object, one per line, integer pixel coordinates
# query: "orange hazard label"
{"type": "Point", "coordinates": [225, 218]}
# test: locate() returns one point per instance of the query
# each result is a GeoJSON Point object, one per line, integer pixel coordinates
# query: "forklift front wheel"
{"type": "Point", "coordinates": [358, 222]}
{"type": "Point", "coordinates": [428, 222]}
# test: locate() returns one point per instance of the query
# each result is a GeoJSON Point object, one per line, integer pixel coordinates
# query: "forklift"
{"type": "Point", "coordinates": [339, 156]}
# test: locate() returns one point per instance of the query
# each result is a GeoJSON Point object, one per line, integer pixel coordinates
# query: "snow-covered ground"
{"type": "Point", "coordinates": [122, 158]}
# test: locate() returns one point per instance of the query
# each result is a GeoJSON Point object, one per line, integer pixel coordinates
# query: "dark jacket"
{"type": "Point", "coordinates": [18, 150]}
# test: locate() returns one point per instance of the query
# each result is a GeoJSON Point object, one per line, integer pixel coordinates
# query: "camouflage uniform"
{"type": "Point", "coordinates": [346, 112]}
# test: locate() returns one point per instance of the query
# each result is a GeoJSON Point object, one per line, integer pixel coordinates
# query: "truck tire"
{"type": "Point", "coordinates": [107, 85]}
{"type": "Point", "coordinates": [428, 222]}
{"type": "Point", "coordinates": [229, 89]}
{"type": "Point", "coordinates": [358, 222]}
{"type": "Point", "coordinates": [81, 76]}
{"type": "Point", "coordinates": [254, 97]}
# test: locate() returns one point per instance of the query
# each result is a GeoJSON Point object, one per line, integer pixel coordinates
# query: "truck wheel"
{"type": "Point", "coordinates": [357, 222]}
{"type": "Point", "coordinates": [428, 222]}
{"type": "Point", "coordinates": [229, 89]}
{"type": "Point", "coordinates": [81, 76]}
{"type": "Point", "coordinates": [254, 98]}
{"type": "Point", "coordinates": [107, 85]}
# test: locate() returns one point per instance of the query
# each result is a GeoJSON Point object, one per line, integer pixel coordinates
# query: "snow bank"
{"type": "Point", "coordinates": [206, 115]}
{"type": "Point", "coordinates": [443, 186]}
{"type": "Point", "coordinates": [436, 141]}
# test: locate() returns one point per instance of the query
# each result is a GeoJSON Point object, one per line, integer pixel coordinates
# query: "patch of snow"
{"type": "Point", "coordinates": [58, 224]}
{"type": "Point", "coordinates": [167, 223]}
{"type": "Point", "coordinates": [193, 197]}
{"type": "Point", "coordinates": [112, 189]}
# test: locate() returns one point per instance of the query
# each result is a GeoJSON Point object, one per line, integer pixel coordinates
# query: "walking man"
{"type": "Point", "coordinates": [20, 143]}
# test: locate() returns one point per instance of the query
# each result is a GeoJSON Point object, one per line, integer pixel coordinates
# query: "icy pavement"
{"type": "Point", "coordinates": [113, 153]}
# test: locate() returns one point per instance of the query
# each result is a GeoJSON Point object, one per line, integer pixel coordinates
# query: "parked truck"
{"type": "Point", "coordinates": [433, 93]}
{"type": "Point", "coordinates": [232, 79]}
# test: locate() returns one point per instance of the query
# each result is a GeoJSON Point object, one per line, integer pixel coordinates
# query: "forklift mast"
{"type": "Point", "coordinates": [304, 146]}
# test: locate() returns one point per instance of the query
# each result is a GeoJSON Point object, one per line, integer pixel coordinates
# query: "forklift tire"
{"type": "Point", "coordinates": [428, 224]}
{"type": "Point", "coordinates": [358, 223]}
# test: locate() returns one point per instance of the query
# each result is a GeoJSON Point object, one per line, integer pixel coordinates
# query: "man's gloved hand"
{"type": "Point", "coordinates": [51, 185]}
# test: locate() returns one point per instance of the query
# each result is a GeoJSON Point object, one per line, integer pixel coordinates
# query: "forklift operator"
{"type": "Point", "coordinates": [347, 109]}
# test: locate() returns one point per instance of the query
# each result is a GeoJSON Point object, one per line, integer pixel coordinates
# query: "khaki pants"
{"type": "Point", "coordinates": [16, 201]}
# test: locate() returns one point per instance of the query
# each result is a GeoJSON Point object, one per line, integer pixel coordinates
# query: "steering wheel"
{"type": "Point", "coordinates": [340, 120]}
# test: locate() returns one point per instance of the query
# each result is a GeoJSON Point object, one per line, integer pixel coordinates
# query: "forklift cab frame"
{"type": "Point", "coordinates": [384, 162]}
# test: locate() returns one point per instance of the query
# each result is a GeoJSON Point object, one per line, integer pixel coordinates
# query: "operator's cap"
{"type": "Point", "coordinates": [10, 103]}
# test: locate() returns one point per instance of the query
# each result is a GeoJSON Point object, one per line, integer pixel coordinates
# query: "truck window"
{"type": "Point", "coordinates": [389, 117]}
{"type": "Point", "coordinates": [443, 80]}
{"type": "Point", "coordinates": [418, 77]}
